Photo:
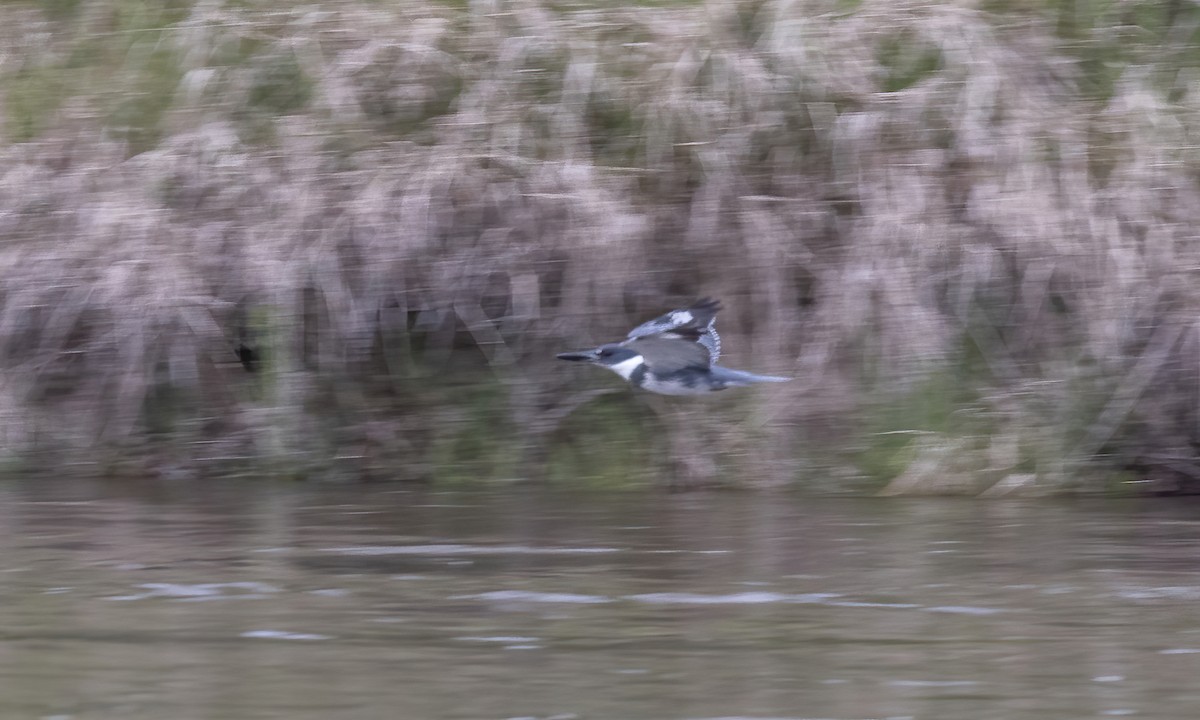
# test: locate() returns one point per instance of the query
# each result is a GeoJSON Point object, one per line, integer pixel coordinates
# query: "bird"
{"type": "Point", "coordinates": [674, 354]}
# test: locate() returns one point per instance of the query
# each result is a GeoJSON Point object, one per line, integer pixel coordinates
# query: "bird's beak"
{"type": "Point", "coordinates": [585, 355]}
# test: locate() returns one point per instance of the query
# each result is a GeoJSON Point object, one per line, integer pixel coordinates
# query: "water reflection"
{"type": "Point", "coordinates": [270, 602]}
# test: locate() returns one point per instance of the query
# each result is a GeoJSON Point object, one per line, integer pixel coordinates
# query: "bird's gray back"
{"type": "Point", "coordinates": [669, 354]}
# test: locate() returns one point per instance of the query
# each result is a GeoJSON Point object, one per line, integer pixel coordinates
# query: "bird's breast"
{"type": "Point", "coordinates": [676, 384]}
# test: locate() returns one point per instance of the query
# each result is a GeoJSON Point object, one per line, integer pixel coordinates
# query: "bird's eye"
{"type": "Point", "coordinates": [605, 352]}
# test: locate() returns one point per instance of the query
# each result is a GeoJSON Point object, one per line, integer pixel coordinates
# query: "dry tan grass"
{"type": "Point", "coordinates": [365, 190]}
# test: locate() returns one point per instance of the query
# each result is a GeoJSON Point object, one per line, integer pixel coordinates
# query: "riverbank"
{"type": "Point", "coordinates": [968, 231]}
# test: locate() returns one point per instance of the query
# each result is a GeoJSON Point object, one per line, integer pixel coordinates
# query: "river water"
{"type": "Point", "coordinates": [262, 601]}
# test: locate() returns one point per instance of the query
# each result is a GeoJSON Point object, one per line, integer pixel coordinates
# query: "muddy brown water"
{"type": "Point", "coordinates": [261, 601]}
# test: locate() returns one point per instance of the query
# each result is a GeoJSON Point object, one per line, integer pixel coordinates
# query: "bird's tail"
{"type": "Point", "coordinates": [741, 378]}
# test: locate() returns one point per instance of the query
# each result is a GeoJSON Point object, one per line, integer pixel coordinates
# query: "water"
{"type": "Point", "coordinates": [268, 602]}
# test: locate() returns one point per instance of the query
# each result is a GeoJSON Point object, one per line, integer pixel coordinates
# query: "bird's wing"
{"type": "Point", "coordinates": [711, 340]}
{"type": "Point", "coordinates": [695, 318]}
{"type": "Point", "coordinates": [665, 354]}
{"type": "Point", "coordinates": [696, 324]}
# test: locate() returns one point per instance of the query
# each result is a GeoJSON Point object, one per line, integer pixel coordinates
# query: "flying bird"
{"type": "Point", "coordinates": [673, 354]}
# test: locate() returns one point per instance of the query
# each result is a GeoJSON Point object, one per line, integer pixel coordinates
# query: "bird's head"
{"type": "Point", "coordinates": [613, 356]}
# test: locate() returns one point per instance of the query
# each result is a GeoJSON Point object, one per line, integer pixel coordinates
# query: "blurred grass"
{"type": "Point", "coordinates": [967, 229]}
{"type": "Point", "coordinates": [607, 444]}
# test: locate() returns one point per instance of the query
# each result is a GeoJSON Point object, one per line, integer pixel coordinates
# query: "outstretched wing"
{"type": "Point", "coordinates": [694, 324]}
{"type": "Point", "coordinates": [665, 354]}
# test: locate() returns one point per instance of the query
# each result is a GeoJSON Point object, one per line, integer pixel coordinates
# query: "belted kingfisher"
{"type": "Point", "coordinates": [673, 354]}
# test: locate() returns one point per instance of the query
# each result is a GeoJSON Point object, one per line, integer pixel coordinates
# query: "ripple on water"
{"type": "Point", "coordinates": [535, 597]}
{"type": "Point", "coordinates": [458, 549]}
{"type": "Point", "coordinates": [1172, 592]}
{"type": "Point", "coordinates": [963, 610]}
{"type": "Point", "coordinates": [201, 591]}
{"type": "Point", "coordinates": [773, 717]}
{"type": "Point", "coordinates": [869, 604]}
{"type": "Point", "coordinates": [740, 598]}
{"type": "Point", "coordinates": [683, 598]}
{"type": "Point", "coordinates": [510, 639]}
{"type": "Point", "coordinates": [282, 635]}
{"type": "Point", "coordinates": [933, 683]}
{"type": "Point", "coordinates": [444, 549]}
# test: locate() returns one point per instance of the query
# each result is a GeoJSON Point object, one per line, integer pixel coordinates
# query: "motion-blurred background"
{"type": "Point", "coordinates": [344, 240]}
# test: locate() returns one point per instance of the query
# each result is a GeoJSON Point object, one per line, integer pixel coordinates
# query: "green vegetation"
{"type": "Point", "coordinates": [968, 231]}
